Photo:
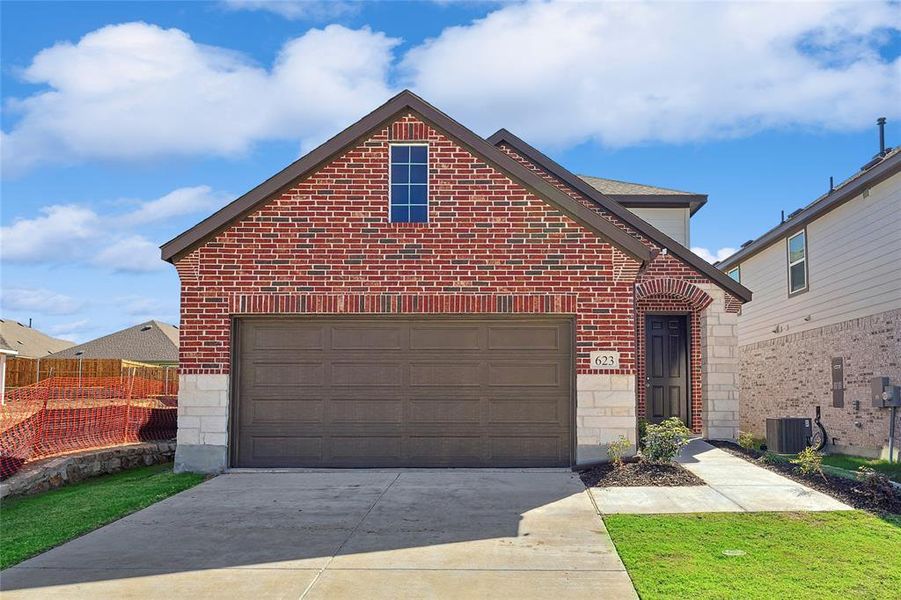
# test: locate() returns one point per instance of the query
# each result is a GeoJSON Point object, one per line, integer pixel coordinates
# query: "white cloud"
{"type": "Point", "coordinates": [137, 91]}
{"type": "Point", "coordinates": [624, 73]}
{"type": "Point", "coordinates": [67, 234]}
{"type": "Point", "coordinates": [38, 300]}
{"type": "Point", "coordinates": [143, 308]}
{"type": "Point", "coordinates": [182, 201]}
{"type": "Point", "coordinates": [133, 254]}
{"type": "Point", "coordinates": [296, 9]}
{"type": "Point", "coordinates": [713, 257]}
{"type": "Point", "coordinates": [54, 236]}
{"type": "Point", "coordinates": [73, 331]}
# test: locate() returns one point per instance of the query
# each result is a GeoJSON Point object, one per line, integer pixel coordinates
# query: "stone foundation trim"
{"type": "Point", "coordinates": [57, 471]}
{"type": "Point", "coordinates": [605, 410]}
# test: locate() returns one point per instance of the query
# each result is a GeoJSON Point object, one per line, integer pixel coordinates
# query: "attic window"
{"type": "Point", "coordinates": [408, 178]}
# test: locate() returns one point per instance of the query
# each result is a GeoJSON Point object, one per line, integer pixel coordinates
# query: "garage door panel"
{"type": "Point", "coordinates": [362, 337]}
{"type": "Point", "coordinates": [356, 411]}
{"type": "Point", "coordinates": [270, 375]}
{"type": "Point", "coordinates": [518, 338]}
{"type": "Point", "coordinates": [277, 338]}
{"type": "Point", "coordinates": [394, 392]}
{"type": "Point", "coordinates": [436, 337]}
{"type": "Point", "coordinates": [446, 374]}
{"type": "Point", "coordinates": [439, 411]}
{"type": "Point", "coordinates": [287, 447]}
{"type": "Point", "coordinates": [293, 410]}
{"type": "Point", "coordinates": [370, 374]}
{"type": "Point", "coordinates": [526, 373]}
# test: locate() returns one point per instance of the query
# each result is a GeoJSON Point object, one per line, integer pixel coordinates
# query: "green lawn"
{"type": "Point", "coordinates": [33, 524]}
{"type": "Point", "coordinates": [851, 463]}
{"type": "Point", "coordinates": [786, 555]}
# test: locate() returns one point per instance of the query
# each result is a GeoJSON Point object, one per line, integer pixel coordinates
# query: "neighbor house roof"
{"type": "Point", "coordinates": [28, 342]}
{"type": "Point", "coordinates": [504, 137]}
{"type": "Point", "coordinates": [641, 195]}
{"type": "Point", "coordinates": [404, 101]}
{"type": "Point", "coordinates": [152, 341]}
{"type": "Point", "coordinates": [874, 172]}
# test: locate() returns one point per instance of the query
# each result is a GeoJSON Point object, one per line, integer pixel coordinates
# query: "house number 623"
{"type": "Point", "coordinates": [605, 359]}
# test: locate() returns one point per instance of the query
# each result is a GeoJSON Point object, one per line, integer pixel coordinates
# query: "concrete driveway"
{"type": "Point", "coordinates": [366, 534]}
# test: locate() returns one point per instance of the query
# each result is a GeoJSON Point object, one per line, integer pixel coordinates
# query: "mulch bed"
{"type": "Point", "coordinates": [849, 491]}
{"type": "Point", "coordinates": [638, 473]}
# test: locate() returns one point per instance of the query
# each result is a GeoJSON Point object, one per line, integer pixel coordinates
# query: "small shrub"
{"type": "Point", "coordinates": [616, 450]}
{"type": "Point", "coordinates": [749, 441]}
{"type": "Point", "coordinates": [875, 484]}
{"type": "Point", "coordinates": [771, 458]}
{"type": "Point", "coordinates": [663, 442]}
{"type": "Point", "coordinates": [809, 461]}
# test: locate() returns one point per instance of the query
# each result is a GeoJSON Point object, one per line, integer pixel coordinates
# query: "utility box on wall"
{"type": "Point", "coordinates": [883, 394]}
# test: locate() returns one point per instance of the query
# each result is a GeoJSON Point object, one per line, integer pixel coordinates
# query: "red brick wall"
{"type": "Point", "coordinates": [326, 246]}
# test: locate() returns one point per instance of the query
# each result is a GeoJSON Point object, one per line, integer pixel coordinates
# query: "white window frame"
{"type": "Point", "coordinates": [428, 183]}
{"type": "Point", "coordinates": [791, 264]}
{"type": "Point", "coordinates": [737, 270]}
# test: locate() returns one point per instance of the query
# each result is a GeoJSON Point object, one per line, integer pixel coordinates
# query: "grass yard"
{"type": "Point", "coordinates": [34, 524]}
{"type": "Point", "coordinates": [786, 555]}
{"type": "Point", "coordinates": [851, 463]}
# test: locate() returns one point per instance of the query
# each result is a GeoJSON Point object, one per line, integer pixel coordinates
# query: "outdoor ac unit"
{"type": "Point", "coordinates": [788, 435]}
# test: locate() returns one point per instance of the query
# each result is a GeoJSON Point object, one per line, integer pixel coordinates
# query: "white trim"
{"type": "Point", "coordinates": [428, 180]}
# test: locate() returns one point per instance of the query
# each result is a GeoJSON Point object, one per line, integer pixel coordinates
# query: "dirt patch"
{"type": "Point", "coordinates": [638, 473]}
{"type": "Point", "coordinates": [849, 491]}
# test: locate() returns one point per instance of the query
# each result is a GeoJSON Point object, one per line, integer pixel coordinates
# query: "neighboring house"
{"type": "Point", "coordinates": [410, 294]}
{"type": "Point", "coordinates": [826, 313]}
{"type": "Point", "coordinates": [152, 342]}
{"type": "Point", "coordinates": [28, 342]}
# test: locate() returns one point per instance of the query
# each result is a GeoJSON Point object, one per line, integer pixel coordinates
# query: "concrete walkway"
{"type": "Point", "coordinates": [732, 485]}
{"type": "Point", "coordinates": [352, 534]}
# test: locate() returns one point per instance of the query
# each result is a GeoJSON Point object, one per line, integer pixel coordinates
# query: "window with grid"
{"type": "Point", "coordinates": [409, 183]}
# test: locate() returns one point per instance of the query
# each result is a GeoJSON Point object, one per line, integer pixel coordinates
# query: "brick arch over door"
{"type": "Point", "coordinates": [672, 295]}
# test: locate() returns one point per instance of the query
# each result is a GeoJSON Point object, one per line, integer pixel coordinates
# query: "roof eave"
{"type": "Point", "coordinates": [817, 209]}
{"type": "Point", "coordinates": [534, 155]}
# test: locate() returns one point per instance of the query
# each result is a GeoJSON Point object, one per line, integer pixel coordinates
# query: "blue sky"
{"type": "Point", "coordinates": [125, 123]}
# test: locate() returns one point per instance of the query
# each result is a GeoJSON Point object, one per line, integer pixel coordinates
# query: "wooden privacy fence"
{"type": "Point", "coordinates": [61, 414]}
{"type": "Point", "coordinates": [27, 371]}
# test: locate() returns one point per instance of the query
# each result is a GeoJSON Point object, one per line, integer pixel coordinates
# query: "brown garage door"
{"type": "Point", "coordinates": [389, 392]}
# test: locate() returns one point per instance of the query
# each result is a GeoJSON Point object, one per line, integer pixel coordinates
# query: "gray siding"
{"type": "Point", "coordinates": [854, 265]}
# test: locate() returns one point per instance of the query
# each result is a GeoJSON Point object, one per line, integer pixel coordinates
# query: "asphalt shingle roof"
{"type": "Point", "coordinates": [28, 342]}
{"type": "Point", "coordinates": [152, 341]}
{"type": "Point", "coordinates": [614, 187]}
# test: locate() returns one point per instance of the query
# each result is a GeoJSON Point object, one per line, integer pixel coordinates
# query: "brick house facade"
{"type": "Point", "coordinates": [499, 242]}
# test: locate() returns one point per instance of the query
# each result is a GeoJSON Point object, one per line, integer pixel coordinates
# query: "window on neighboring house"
{"type": "Point", "coordinates": [797, 263]}
{"type": "Point", "coordinates": [409, 179]}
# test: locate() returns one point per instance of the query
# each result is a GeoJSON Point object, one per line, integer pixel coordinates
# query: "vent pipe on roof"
{"type": "Point", "coordinates": [831, 185]}
{"type": "Point", "coordinates": [881, 123]}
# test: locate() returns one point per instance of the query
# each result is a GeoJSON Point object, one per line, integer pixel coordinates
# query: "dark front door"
{"type": "Point", "coordinates": [666, 367]}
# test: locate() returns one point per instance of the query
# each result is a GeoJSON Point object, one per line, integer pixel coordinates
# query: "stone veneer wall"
{"type": "Point", "coordinates": [719, 366]}
{"type": "Point", "coordinates": [202, 423]}
{"type": "Point", "coordinates": [790, 375]}
{"type": "Point", "coordinates": [605, 410]}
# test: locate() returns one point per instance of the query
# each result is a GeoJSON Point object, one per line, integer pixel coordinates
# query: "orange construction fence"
{"type": "Point", "coordinates": [65, 414]}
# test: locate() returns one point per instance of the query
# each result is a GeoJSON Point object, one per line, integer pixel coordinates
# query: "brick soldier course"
{"type": "Point", "coordinates": [323, 244]}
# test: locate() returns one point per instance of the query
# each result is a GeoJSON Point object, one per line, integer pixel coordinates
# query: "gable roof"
{"type": "Point", "coordinates": [628, 193]}
{"type": "Point", "coordinates": [874, 172]}
{"type": "Point", "coordinates": [538, 158]}
{"type": "Point", "coordinates": [152, 341]}
{"type": "Point", "coordinates": [404, 101]}
{"type": "Point", "coordinates": [28, 342]}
